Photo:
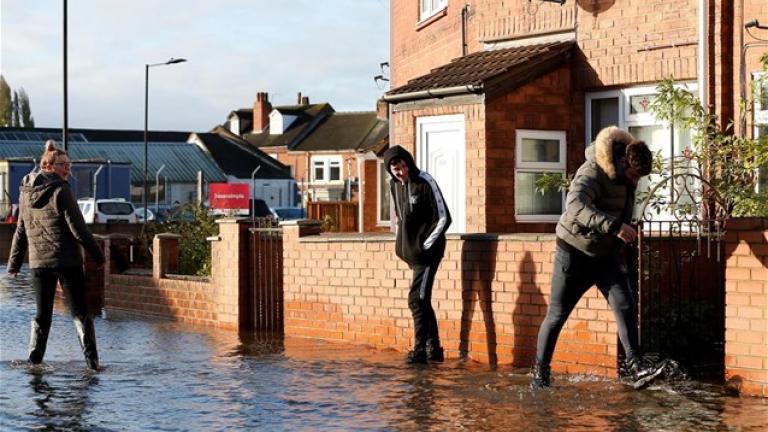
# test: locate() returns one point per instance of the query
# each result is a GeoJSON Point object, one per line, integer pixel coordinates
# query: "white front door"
{"type": "Point", "coordinates": [440, 152]}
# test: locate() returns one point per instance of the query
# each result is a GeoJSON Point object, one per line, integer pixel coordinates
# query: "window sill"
{"type": "Point", "coordinates": [432, 18]}
{"type": "Point", "coordinates": [537, 218]}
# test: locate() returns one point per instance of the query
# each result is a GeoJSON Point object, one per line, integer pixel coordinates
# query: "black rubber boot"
{"type": "Point", "coordinates": [86, 333]}
{"type": "Point", "coordinates": [435, 352]}
{"type": "Point", "coordinates": [541, 376]}
{"type": "Point", "coordinates": [38, 340]}
{"type": "Point", "coordinates": [418, 355]}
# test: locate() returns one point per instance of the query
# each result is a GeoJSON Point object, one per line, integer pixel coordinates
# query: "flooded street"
{"type": "Point", "coordinates": [166, 377]}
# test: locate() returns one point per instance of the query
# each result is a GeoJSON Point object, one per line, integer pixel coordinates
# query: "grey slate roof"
{"type": "Point", "coordinates": [237, 158]}
{"type": "Point", "coordinates": [308, 116]}
{"type": "Point", "coordinates": [182, 160]}
{"type": "Point", "coordinates": [341, 131]}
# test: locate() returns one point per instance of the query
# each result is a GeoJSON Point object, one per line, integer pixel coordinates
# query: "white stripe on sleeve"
{"type": "Point", "coordinates": [442, 212]}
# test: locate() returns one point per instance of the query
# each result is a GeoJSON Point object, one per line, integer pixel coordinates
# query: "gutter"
{"type": "Point", "coordinates": [436, 93]}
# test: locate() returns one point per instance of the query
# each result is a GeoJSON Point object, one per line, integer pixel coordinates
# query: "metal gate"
{"type": "Point", "coordinates": [681, 274]}
{"type": "Point", "coordinates": [265, 279]}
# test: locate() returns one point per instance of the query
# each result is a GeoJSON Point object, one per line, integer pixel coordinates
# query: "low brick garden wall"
{"type": "Point", "coordinates": [490, 295]}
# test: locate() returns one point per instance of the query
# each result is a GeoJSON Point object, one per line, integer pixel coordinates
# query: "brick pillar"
{"type": "Point", "coordinates": [229, 271]}
{"type": "Point", "coordinates": [94, 279]}
{"type": "Point", "coordinates": [165, 258]}
{"type": "Point", "coordinates": [746, 310]}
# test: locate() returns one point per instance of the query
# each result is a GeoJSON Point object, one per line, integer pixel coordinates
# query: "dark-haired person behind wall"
{"type": "Point", "coordinates": [52, 228]}
{"type": "Point", "coordinates": [590, 238]}
{"type": "Point", "coordinates": [422, 220]}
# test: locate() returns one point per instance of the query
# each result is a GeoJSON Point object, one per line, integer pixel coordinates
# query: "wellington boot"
{"type": "Point", "coordinates": [86, 333]}
{"type": "Point", "coordinates": [38, 340]}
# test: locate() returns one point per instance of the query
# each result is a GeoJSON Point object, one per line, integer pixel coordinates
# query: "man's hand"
{"type": "Point", "coordinates": [627, 234]}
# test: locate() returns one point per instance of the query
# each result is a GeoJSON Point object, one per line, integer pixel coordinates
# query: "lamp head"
{"type": "Point", "coordinates": [176, 60]}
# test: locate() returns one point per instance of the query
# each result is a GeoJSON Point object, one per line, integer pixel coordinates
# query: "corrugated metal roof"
{"type": "Point", "coordinates": [182, 160]}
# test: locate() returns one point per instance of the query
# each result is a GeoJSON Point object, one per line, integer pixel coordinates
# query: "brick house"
{"type": "Point", "coordinates": [500, 92]}
{"type": "Point", "coordinates": [324, 149]}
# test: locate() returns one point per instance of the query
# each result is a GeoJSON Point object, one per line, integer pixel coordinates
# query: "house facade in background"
{"type": "Point", "coordinates": [490, 95]}
{"type": "Point", "coordinates": [328, 152]}
{"type": "Point", "coordinates": [267, 178]}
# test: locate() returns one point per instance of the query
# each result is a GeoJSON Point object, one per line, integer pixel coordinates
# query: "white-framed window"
{"type": "Point", "coordinates": [629, 109]}
{"type": "Point", "coordinates": [427, 8]}
{"type": "Point", "coordinates": [326, 169]}
{"type": "Point", "coordinates": [383, 200]}
{"type": "Point", "coordinates": [760, 122]}
{"type": "Point", "coordinates": [538, 152]}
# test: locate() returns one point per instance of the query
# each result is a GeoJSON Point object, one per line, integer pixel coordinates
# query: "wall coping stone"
{"type": "Point", "coordinates": [191, 278]}
{"type": "Point", "coordinates": [747, 224]}
{"type": "Point", "coordinates": [388, 237]}
{"type": "Point", "coordinates": [163, 236]}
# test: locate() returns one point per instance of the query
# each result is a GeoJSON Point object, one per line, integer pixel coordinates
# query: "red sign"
{"type": "Point", "coordinates": [229, 196]}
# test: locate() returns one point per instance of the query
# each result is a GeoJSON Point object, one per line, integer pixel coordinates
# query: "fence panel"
{"type": "Point", "coordinates": [336, 216]}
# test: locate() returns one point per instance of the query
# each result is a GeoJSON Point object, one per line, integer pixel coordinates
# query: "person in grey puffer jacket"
{"type": "Point", "coordinates": [52, 229]}
{"type": "Point", "coordinates": [422, 220]}
{"type": "Point", "coordinates": [590, 237]}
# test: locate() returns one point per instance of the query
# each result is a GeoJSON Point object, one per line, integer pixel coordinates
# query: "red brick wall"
{"type": "Point", "coordinates": [186, 301]}
{"type": "Point", "coordinates": [213, 301]}
{"type": "Point", "coordinates": [545, 103]}
{"type": "Point", "coordinates": [746, 311]}
{"type": "Point", "coordinates": [474, 123]}
{"type": "Point", "coordinates": [415, 49]}
{"type": "Point", "coordinates": [490, 296]}
{"type": "Point", "coordinates": [612, 35]}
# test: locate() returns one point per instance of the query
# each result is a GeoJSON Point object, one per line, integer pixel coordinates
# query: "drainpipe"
{"type": "Point", "coordinates": [464, 17]}
{"type": "Point", "coordinates": [360, 194]}
{"type": "Point", "coordinates": [702, 67]}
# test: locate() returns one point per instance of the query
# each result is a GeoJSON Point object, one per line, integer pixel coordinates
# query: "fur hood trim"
{"type": "Point", "coordinates": [604, 148]}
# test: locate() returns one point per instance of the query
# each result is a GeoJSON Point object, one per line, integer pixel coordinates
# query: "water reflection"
{"type": "Point", "coordinates": [164, 376]}
{"type": "Point", "coordinates": [61, 406]}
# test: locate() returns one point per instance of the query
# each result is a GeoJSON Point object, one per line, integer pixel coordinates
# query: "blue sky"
{"type": "Point", "coordinates": [329, 50]}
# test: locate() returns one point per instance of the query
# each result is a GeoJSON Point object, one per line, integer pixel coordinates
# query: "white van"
{"type": "Point", "coordinates": [107, 210]}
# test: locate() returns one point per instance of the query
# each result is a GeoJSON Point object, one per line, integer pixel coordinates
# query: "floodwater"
{"type": "Point", "coordinates": [161, 376]}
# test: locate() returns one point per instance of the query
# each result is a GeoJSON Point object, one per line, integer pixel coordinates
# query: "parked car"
{"type": "Point", "coordinates": [107, 210]}
{"type": "Point", "coordinates": [140, 214]}
{"type": "Point", "coordinates": [290, 213]}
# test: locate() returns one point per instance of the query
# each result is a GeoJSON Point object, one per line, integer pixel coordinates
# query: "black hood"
{"type": "Point", "coordinates": [397, 152]}
{"type": "Point", "coordinates": [39, 186]}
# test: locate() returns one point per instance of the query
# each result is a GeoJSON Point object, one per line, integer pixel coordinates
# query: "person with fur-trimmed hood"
{"type": "Point", "coordinates": [590, 238]}
{"type": "Point", "coordinates": [422, 220]}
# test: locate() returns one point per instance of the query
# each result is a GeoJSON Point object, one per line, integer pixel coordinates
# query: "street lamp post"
{"type": "Point", "coordinates": [146, 130]}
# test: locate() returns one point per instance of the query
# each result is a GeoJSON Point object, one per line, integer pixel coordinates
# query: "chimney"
{"type": "Point", "coordinates": [382, 109]}
{"type": "Point", "coordinates": [302, 100]}
{"type": "Point", "coordinates": [261, 110]}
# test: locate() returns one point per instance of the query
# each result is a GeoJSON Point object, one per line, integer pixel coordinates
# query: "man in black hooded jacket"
{"type": "Point", "coordinates": [422, 220]}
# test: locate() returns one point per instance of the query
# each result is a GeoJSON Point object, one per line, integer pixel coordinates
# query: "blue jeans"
{"type": "Point", "coordinates": [573, 274]}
